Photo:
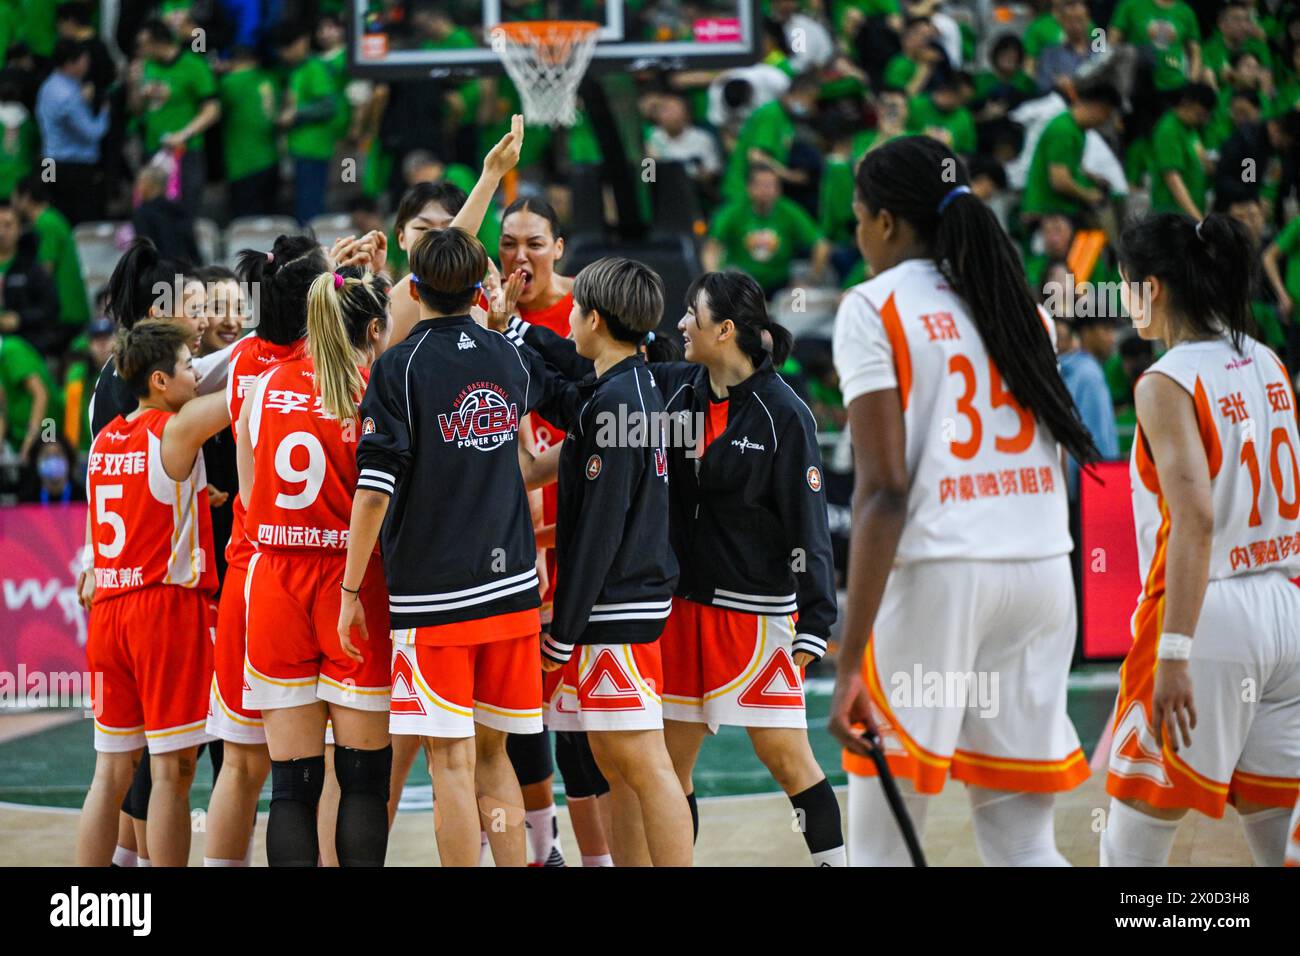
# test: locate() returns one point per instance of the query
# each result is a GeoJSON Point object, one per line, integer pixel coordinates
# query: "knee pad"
{"type": "Point", "coordinates": [582, 778]}
{"type": "Point", "coordinates": [530, 755]}
{"type": "Point", "coordinates": [1014, 828]}
{"type": "Point", "coordinates": [298, 780]}
{"type": "Point", "coordinates": [365, 772]}
{"type": "Point", "coordinates": [136, 803]}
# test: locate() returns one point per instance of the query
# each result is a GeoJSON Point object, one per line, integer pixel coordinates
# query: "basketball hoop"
{"type": "Point", "coordinates": [546, 59]}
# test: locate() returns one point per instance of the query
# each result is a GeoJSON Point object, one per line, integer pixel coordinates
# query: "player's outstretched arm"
{"type": "Point", "coordinates": [499, 161]}
{"type": "Point", "coordinates": [539, 468]}
{"type": "Point", "coordinates": [1167, 420]}
{"type": "Point", "coordinates": [184, 435]}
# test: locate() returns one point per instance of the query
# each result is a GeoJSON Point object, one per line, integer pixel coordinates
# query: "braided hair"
{"type": "Point", "coordinates": [920, 181]}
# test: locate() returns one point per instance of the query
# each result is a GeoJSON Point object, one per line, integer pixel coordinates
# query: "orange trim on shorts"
{"type": "Point", "coordinates": [927, 771]}
{"type": "Point", "coordinates": [898, 344]}
{"type": "Point", "coordinates": [479, 630]}
{"type": "Point", "coordinates": [230, 714]}
{"type": "Point", "coordinates": [1027, 776]}
{"type": "Point", "coordinates": [1270, 791]}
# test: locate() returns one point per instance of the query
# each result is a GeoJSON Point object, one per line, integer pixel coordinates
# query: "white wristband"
{"type": "Point", "coordinates": [1174, 647]}
{"type": "Point", "coordinates": [87, 557]}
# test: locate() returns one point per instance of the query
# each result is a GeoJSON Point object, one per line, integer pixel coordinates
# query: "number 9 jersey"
{"type": "Point", "coordinates": [986, 480]}
{"type": "Point", "coordinates": [305, 465]}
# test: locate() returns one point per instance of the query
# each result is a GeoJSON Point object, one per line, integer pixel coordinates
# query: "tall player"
{"type": "Point", "coordinates": [959, 554]}
{"type": "Point", "coordinates": [748, 525]}
{"type": "Point", "coordinates": [154, 570]}
{"type": "Point", "coordinates": [1209, 700]}
{"type": "Point", "coordinates": [297, 451]}
{"type": "Point", "coordinates": [282, 277]}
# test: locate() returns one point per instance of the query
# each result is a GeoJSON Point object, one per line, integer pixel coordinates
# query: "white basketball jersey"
{"type": "Point", "coordinates": [1246, 412]}
{"type": "Point", "coordinates": [986, 481]}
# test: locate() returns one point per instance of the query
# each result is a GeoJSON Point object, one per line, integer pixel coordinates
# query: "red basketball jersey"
{"type": "Point", "coordinates": [250, 357]}
{"type": "Point", "coordinates": [304, 464]}
{"type": "Point", "coordinates": [147, 527]}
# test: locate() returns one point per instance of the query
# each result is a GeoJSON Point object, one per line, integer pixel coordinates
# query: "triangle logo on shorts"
{"type": "Point", "coordinates": [246, 687]}
{"type": "Point", "coordinates": [777, 684]}
{"type": "Point", "coordinates": [606, 686]}
{"type": "Point", "coordinates": [404, 700]}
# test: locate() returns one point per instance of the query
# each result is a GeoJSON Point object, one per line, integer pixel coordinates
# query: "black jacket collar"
{"type": "Point", "coordinates": [740, 392]}
{"type": "Point", "coordinates": [446, 322]}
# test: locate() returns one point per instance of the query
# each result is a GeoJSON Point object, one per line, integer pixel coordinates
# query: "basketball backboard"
{"type": "Point", "coordinates": [453, 38]}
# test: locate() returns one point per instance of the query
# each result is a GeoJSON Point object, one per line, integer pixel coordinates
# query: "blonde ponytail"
{"type": "Point", "coordinates": [338, 382]}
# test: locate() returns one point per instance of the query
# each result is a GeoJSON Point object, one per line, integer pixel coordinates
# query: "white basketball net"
{"type": "Point", "coordinates": [546, 61]}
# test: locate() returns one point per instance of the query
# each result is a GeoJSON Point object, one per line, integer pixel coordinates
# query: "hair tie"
{"type": "Point", "coordinates": [649, 337]}
{"type": "Point", "coordinates": [338, 281]}
{"type": "Point", "coordinates": [1198, 230]}
{"type": "Point", "coordinates": [270, 257]}
{"type": "Point", "coordinates": [952, 194]}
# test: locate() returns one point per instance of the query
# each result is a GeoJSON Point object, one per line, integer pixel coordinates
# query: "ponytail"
{"type": "Point", "coordinates": [340, 306]}
{"type": "Point", "coordinates": [920, 181]}
{"type": "Point", "coordinates": [279, 281]}
{"type": "Point", "coordinates": [1208, 268]}
{"type": "Point", "coordinates": [133, 286]}
{"type": "Point", "coordinates": [734, 296]}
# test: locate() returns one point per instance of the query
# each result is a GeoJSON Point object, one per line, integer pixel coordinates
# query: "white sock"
{"type": "Point", "coordinates": [874, 837]}
{"type": "Point", "coordinates": [835, 857]}
{"type": "Point", "coordinates": [543, 837]}
{"type": "Point", "coordinates": [1014, 828]}
{"type": "Point", "coordinates": [213, 861]}
{"type": "Point", "coordinates": [603, 860]}
{"type": "Point", "coordinates": [124, 857]}
{"type": "Point", "coordinates": [142, 861]}
{"type": "Point", "coordinates": [1266, 835]}
{"type": "Point", "coordinates": [248, 854]}
{"type": "Point", "coordinates": [1132, 838]}
{"type": "Point", "coordinates": [482, 848]}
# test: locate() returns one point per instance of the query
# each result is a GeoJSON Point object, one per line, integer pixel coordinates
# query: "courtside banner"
{"type": "Point", "coordinates": [1108, 549]}
{"type": "Point", "coordinates": [42, 627]}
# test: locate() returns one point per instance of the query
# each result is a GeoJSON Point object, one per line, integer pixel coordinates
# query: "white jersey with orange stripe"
{"type": "Point", "coordinates": [986, 480]}
{"type": "Point", "coordinates": [1245, 409]}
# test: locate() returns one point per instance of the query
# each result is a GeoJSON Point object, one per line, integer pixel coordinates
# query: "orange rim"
{"type": "Point", "coordinates": [521, 31]}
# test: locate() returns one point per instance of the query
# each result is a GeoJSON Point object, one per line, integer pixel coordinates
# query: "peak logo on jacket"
{"type": "Point", "coordinates": [483, 418]}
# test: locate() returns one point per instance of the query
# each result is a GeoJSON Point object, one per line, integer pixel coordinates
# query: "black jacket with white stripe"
{"type": "Point", "coordinates": [615, 570]}
{"type": "Point", "coordinates": [748, 520]}
{"type": "Point", "coordinates": [439, 430]}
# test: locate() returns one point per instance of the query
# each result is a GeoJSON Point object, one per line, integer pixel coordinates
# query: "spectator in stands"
{"type": "Point", "coordinates": [1054, 235]}
{"type": "Point", "coordinates": [308, 115]}
{"type": "Point", "coordinates": [1167, 35]}
{"type": "Point", "coordinates": [811, 44]}
{"type": "Point", "coordinates": [363, 215]}
{"type": "Point", "coordinates": [1056, 181]}
{"type": "Point", "coordinates": [72, 134]}
{"type": "Point", "coordinates": [1286, 285]}
{"type": "Point", "coordinates": [166, 222]}
{"type": "Point", "coordinates": [768, 137]}
{"type": "Point", "coordinates": [75, 21]}
{"type": "Point", "coordinates": [1179, 163]}
{"type": "Point", "coordinates": [762, 233]}
{"type": "Point", "coordinates": [735, 94]}
{"type": "Point", "coordinates": [1092, 344]}
{"type": "Point", "coordinates": [29, 301]}
{"type": "Point", "coordinates": [1253, 148]}
{"type": "Point", "coordinates": [176, 92]}
{"type": "Point", "coordinates": [1060, 61]}
{"type": "Point", "coordinates": [248, 102]}
{"type": "Point", "coordinates": [56, 251]}
{"type": "Point", "coordinates": [941, 115]}
{"type": "Point", "coordinates": [53, 478]}
{"type": "Point", "coordinates": [1236, 34]}
{"type": "Point", "coordinates": [892, 121]}
{"type": "Point", "coordinates": [28, 393]}
{"type": "Point", "coordinates": [1006, 85]}
{"type": "Point", "coordinates": [675, 139]}
{"type": "Point", "coordinates": [421, 166]}
{"type": "Point", "coordinates": [1044, 31]}
{"type": "Point", "coordinates": [921, 56]}
{"type": "Point", "coordinates": [79, 379]}
{"type": "Point", "coordinates": [18, 136]}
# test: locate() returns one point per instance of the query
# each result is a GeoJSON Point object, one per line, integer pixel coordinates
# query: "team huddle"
{"type": "Point", "coordinates": [440, 545]}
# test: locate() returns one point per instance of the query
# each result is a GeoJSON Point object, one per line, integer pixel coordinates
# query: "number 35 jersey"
{"type": "Point", "coordinates": [1246, 414]}
{"type": "Point", "coordinates": [985, 475]}
{"type": "Point", "coordinates": [147, 527]}
{"type": "Point", "coordinates": [304, 464]}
